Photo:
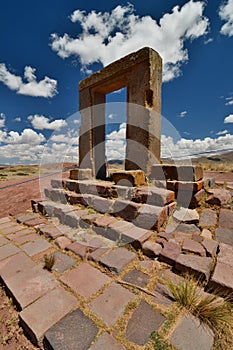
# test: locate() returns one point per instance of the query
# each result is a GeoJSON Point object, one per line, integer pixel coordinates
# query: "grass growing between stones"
{"type": "Point", "coordinates": [213, 310]}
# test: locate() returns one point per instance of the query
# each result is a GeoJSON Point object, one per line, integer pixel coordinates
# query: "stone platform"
{"type": "Point", "coordinates": [109, 272]}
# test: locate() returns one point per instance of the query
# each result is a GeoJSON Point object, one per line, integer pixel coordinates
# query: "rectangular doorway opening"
{"type": "Point", "coordinates": [115, 130]}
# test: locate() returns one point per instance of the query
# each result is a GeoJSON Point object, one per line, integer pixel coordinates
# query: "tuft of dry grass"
{"type": "Point", "coordinates": [49, 261]}
{"type": "Point", "coordinates": [213, 310]}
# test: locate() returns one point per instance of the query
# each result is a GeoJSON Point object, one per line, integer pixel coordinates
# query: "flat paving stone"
{"type": "Point", "coordinates": [193, 263]}
{"type": "Point", "coordinates": [226, 218]}
{"type": "Point", "coordinates": [189, 245]}
{"type": "Point", "coordinates": [186, 215]}
{"type": "Point", "coordinates": [11, 229]}
{"type": "Point", "coordinates": [3, 241]}
{"type": "Point", "coordinates": [143, 322]}
{"type": "Point", "coordinates": [210, 246]}
{"type": "Point", "coordinates": [26, 217]}
{"type": "Point", "coordinates": [74, 331]}
{"type": "Point", "coordinates": [137, 277]}
{"type": "Point", "coordinates": [29, 285]}
{"type": "Point", "coordinates": [151, 249]}
{"type": "Point", "coordinates": [224, 235]}
{"type": "Point", "coordinates": [5, 219]}
{"type": "Point", "coordinates": [85, 280]}
{"type": "Point", "coordinates": [25, 238]}
{"type": "Point", "coordinates": [110, 305]}
{"type": "Point", "coordinates": [225, 254]}
{"type": "Point", "coordinates": [40, 316]}
{"type": "Point", "coordinates": [15, 264]}
{"type": "Point", "coordinates": [222, 278]}
{"type": "Point", "coordinates": [117, 259]}
{"type": "Point", "coordinates": [163, 295]}
{"type": "Point", "coordinates": [184, 228]}
{"type": "Point", "coordinates": [36, 247]}
{"type": "Point", "coordinates": [62, 242]}
{"type": "Point", "coordinates": [170, 253]}
{"type": "Point", "coordinates": [14, 236]}
{"type": "Point", "coordinates": [192, 335]}
{"type": "Point", "coordinates": [63, 262]}
{"type": "Point", "coordinates": [50, 231]}
{"type": "Point", "coordinates": [106, 341]}
{"type": "Point", "coordinates": [8, 250]}
{"type": "Point", "coordinates": [208, 218]}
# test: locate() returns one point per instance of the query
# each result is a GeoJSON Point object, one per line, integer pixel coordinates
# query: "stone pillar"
{"type": "Point", "coordinates": [141, 73]}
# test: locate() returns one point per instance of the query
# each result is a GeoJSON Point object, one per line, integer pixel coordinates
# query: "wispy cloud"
{"type": "Point", "coordinates": [207, 41]}
{"type": "Point", "coordinates": [29, 85]}
{"type": "Point", "coordinates": [224, 132]}
{"type": "Point", "coordinates": [183, 114]}
{"type": "Point", "coordinates": [109, 36]}
{"type": "Point", "coordinates": [226, 14]}
{"type": "Point", "coordinates": [229, 101]}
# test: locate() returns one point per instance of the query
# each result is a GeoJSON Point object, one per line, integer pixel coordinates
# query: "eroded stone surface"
{"type": "Point", "coordinates": [114, 298]}
{"type": "Point", "coordinates": [85, 280]}
{"type": "Point", "coordinates": [106, 341]}
{"type": "Point", "coordinates": [191, 334]}
{"type": "Point", "coordinates": [40, 316]}
{"type": "Point", "coordinates": [143, 322]}
{"type": "Point", "coordinates": [208, 218]}
{"type": "Point", "coordinates": [226, 219]}
{"type": "Point", "coordinates": [117, 259]}
{"type": "Point", "coordinates": [74, 331]}
{"type": "Point", "coordinates": [197, 264]}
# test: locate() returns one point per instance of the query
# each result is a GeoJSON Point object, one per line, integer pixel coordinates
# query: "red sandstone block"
{"type": "Point", "coordinates": [62, 242]}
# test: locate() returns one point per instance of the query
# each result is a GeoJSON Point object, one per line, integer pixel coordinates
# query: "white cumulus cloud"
{"type": "Point", "coordinates": [2, 120]}
{"type": "Point", "coordinates": [229, 119]}
{"type": "Point", "coordinates": [29, 86]}
{"type": "Point", "coordinates": [28, 136]}
{"type": "Point", "coordinates": [41, 122]}
{"type": "Point", "coordinates": [223, 132]}
{"type": "Point", "coordinates": [226, 14]}
{"type": "Point", "coordinates": [109, 36]}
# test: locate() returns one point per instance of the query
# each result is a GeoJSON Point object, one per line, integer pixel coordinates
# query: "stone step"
{"type": "Point", "coordinates": [113, 229]}
{"type": "Point", "coordinates": [106, 189]}
{"type": "Point", "coordinates": [143, 215]}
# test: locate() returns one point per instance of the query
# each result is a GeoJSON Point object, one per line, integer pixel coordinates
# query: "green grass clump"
{"type": "Point", "coordinates": [213, 310]}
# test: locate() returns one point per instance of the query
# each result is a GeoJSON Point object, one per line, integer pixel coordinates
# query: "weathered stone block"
{"type": "Point", "coordinates": [85, 280]}
{"type": "Point", "coordinates": [219, 197]}
{"type": "Point", "coordinates": [189, 245]}
{"type": "Point", "coordinates": [224, 235]}
{"type": "Point", "coordinates": [114, 298]}
{"type": "Point", "coordinates": [117, 259]}
{"type": "Point", "coordinates": [151, 249]}
{"type": "Point", "coordinates": [40, 316]}
{"type": "Point", "coordinates": [129, 178]}
{"type": "Point", "coordinates": [194, 264]}
{"type": "Point", "coordinates": [208, 218]}
{"type": "Point", "coordinates": [150, 216]}
{"type": "Point", "coordinates": [176, 172]}
{"type": "Point", "coordinates": [186, 215]}
{"type": "Point", "coordinates": [226, 218]}
{"type": "Point", "coordinates": [170, 253]}
{"type": "Point", "coordinates": [191, 334]}
{"type": "Point", "coordinates": [66, 335]}
{"type": "Point", "coordinates": [80, 174]}
{"type": "Point", "coordinates": [127, 210]}
{"type": "Point", "coordinates": [143, 322]}
{"type": "Point", "coordinates": [102, 205]}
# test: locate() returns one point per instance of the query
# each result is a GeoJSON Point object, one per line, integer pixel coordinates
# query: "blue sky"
{"type": "Point", "coordinates": [47, 47]}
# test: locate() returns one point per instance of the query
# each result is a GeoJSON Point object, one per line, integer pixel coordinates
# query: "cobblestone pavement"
{"type": "Point", "coordinates": [106, 288]}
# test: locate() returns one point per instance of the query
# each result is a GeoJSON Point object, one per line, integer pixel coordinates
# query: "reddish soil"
{"type": "Point", "coordinates": [220, 176]}
{"type": "Point", "coordinates": [17, 197]}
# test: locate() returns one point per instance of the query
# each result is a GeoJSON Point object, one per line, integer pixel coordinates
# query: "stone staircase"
{"type": "Point", "coordinates": [105, 214]}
